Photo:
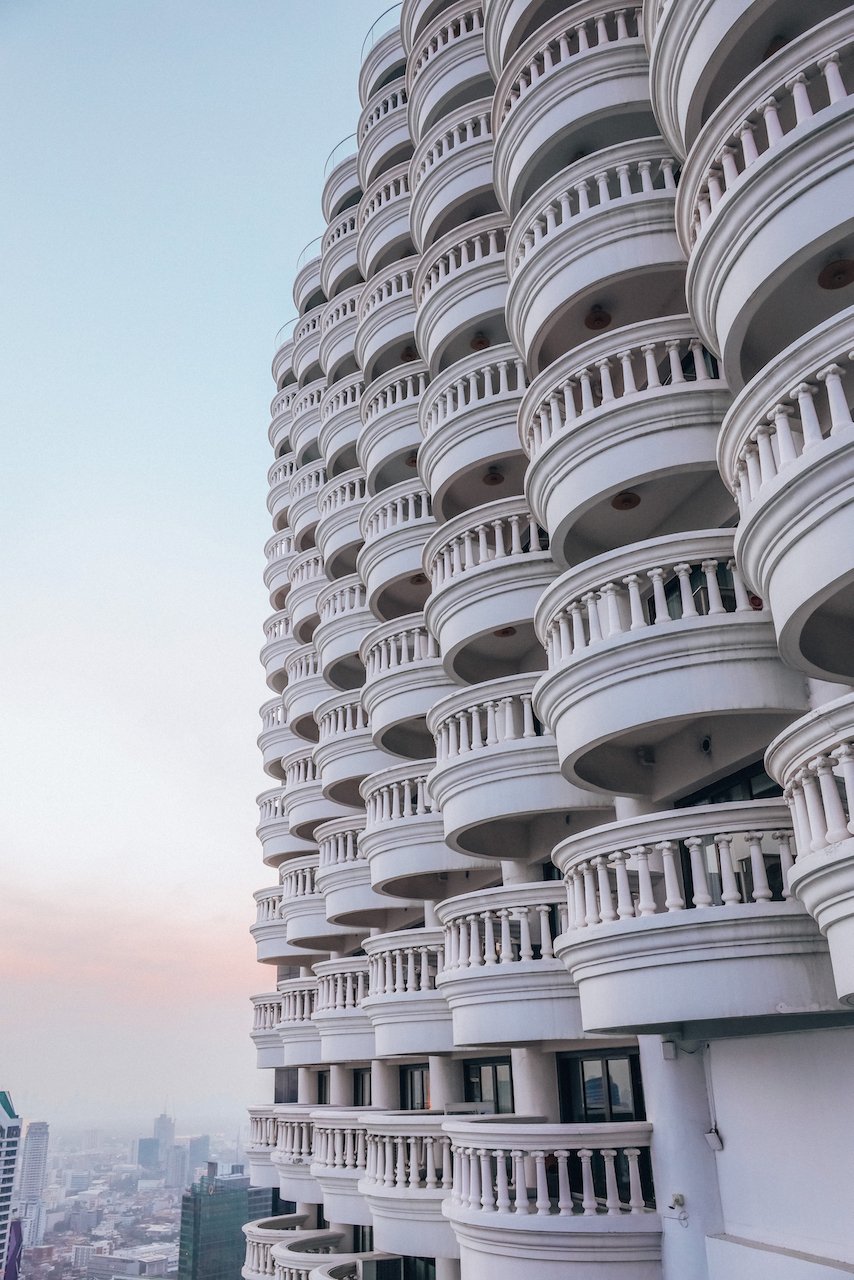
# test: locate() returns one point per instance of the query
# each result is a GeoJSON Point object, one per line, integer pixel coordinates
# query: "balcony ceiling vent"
{"type": "Point", "coordinates": [838, 274]}
{"type": "Point", "coordinates": [625, 500]}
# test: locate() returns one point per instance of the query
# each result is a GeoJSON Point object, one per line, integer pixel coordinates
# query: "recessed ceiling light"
{"type": "Point", "coordinates": [625, 500]}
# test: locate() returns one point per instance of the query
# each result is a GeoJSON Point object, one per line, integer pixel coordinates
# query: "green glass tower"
{"type": "Point", "coordinates": [213, 1211]}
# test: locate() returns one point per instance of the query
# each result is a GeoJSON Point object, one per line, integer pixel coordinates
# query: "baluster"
{"type": "Point", "coordinates": [636, 1200]}
{"type": "Point", "coordinates": [646, 898]}
{"type": "Point", "coordinates": [625, 900]}
{"type": "Point", "coordinates": [589, 1203]}
{"type": "Point", "coordinates": [784, 852]}
{"type": "Point", "coordinates": [606, 901]}
{"type": "Point", "coordinates": [521, 1203]}
{"type": "Point", "coordinates": [729, 885]}
{"type": "Point", "coordinates": [686, 595]}
{"type": "Point", "coordinates": [506, 938]}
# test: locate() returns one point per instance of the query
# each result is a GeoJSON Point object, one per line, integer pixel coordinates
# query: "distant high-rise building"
{"type": "Point", "coordinates": [10, 1136]}
{"type": "Point", "coordinates": [178, 1167]}
{"type": "Point", "coordinates": [32, 1172]}
{"type": "Point", "coordinates": [200, 1151]}
{"type": "Point", "coordinates": [213, 1211]}
{"type": "Point", "coordinates": [164, 1132]}
{"type": "Point", "coordinates": [148, 1153]}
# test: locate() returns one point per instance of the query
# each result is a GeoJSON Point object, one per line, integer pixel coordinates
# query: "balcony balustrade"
{"type": "Point", "coordinates": [451, 170]}
{"type": "Point", "coordinates": [407, 1012]}
{"type": "Point", "coordinates": [278, 644]}
{"type": "Point", "coordinates": [337, 534]}
{"type": "Point", "coordinates": [636, 411]}
{"type": "Point", "coordinates": [344, 878]}
{"type": "Point", "coordinates": [395, 526]}
{"type": "Point", "coordinates": [266, 1011]}
{"type": "Point", "coordinates": [292, 1156]}
{"type": "Point", "coordinates": [276, 739]}
{"type": "Point", "coordinates": [339, 424]}
{"type": "Point", "coordinates": [787, 453]}
{"type": "Point", "coordinates": [307, 343]}
{"type": "Point", "coordinates": [383, 133]}
{"type": "Point", "coordinates": [497, 780]}
{"type": "Point", "coordinates": [384, 232]}
{"type": "Point", "coordinates": [500, 972]}
{"type": "Point", "coordinates": [261, 1236]}
{"type": "Point", "coordinates": [389, 436]}
{"type": "Point", "coordinates": [346, 1034]}
{"type": "Point", "coordinates": [279, 479]}
{"type": "Point", "coordinates": [813, 759]}
{"type": "Point", "coordinates": [446, 62]}
{"type": "Point", "coordinates": [278, 431]}
{"type": "Point", "coordinates": [407, 1175]}
{"type": "Point", "coordinates": [282, 370]}
{"type": "Point", "coordinates": [305, 421]}
{"type": "Point", "coordinates": [298, 1034]}
{"type": "Point", "coordinates": [386, 319]}
{"type": "Point", "coordinates": [345, 754]}
{"type": "Point", "coordinates": [307, 280]}
{"type": "Point", "coordinates": [297, 1256]}
{"type": "Point", "coordinates": [345, 620]}
{"type": "Point", "coordinates": [577, 83]}
{"type": "Point", "coordinates": [468, 423]}
{"type": "Point", "coordinates": [262, 1143]}
{"type": "Point", "coordinates": [595, 226]}
{"type": "Point", "coordinates": [506, 23]}
{"type": "Point", "coordinates": [569, 1195]}
{"type": "Point", "coordinates": [488, 568]}
{"type": "Point", "coordinates": [404, 838]}
{"type": "Point", "coordinates": [338, 1161]}
{"type": "Point", "coordinates": [687, 917]}
{"type": "Point", "coordinates": [658, 656]}
{"type": "Point", "coordinates": [304, 803]}
{"type": "Point", "coordinates": [383, 55]}
{"type": "Point", "coordinates": [404, 676]}
{"type": "Point", "coordinates": [339, 269]}
{"type": "Point", "coordinates": [460, 287]}
{"type": "Point", "coordinates": [305, 686]}
{"type": "Point", "coordinates": [306, 484]}
{"type": "Point", "coordinates": [307, 578]}
{"type": "Point", "coordinates": [338, 331]}
{"type": "Point", "coordinates": [303, 911]}
{"type": "Point", "coordinates": [773, 157]}
{"type": "Point", "coordinates": [270, 931]}
{"type": "Point", "coordinates": [279, 551]}
{"type": "Point", "coordinates": [277, 842]}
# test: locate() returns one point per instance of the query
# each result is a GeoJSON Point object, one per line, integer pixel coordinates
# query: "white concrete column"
{"type": "Point", "coordinates": [447, 1269]}
{"type": "Point", "coordinates": [306, 1085]}
{"type": "Point", "coordinates": [446, 1081]}
{"type": "Point", "coordinates": [518, 872]}
{"type": "Point", "coordinates": [385, 1085]}
{"type": "Point", "coordinates": [683, 1163]}
{"type": "Point", "coordinates": [431, 920]}
{"type": "Point", "coordinates": [340, 1086]}
{"type": "Point", "coordinates": [824, 691]}
{"type": "Point", "coordinates": [626, 807]}
{"type": "Point", "coordinates": [535, 1084]}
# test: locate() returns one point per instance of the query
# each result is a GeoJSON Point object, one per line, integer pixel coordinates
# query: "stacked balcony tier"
{"type": "Point", "coordinates": [339, 424]}
{"type": "Point", "coordinates": [345, 620]}
{"type": "Point", "coordinates": [446, 63]}
{"type": "Point", "coordinates": [389, 436]}
{"type": "Point", "coordinates": [407, 1011]}
{"type": "Point", "coordinates": [404, 676]}
{"type": "Point", "coordinates": [395, 526]}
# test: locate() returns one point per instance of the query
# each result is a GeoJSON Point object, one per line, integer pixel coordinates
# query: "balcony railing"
{"type": "Point", "coordinates": [499, 531]}
{"type": "Point", "coordinates": [406, 962]}
{"type": "Point", "coordinates": [266, 1013]}
{"type": "Point", "coordinates": [341, 985]}
{"type": "Point", "coordinates": [503, 926]}
{"type": "Point", "coordinates": [453, 139]}
{"type": "Point", "coordinates": [492, 382]}
{"type": "Point", "coordinates": [261, 1236]}
{"type": "Point", "coordinates": [390, 799]}
{"type": "Point", "coordinates": [814, 762]}
{"type": "Point", "coordinates": [407, 1152]}
{"type": "Point", "coordinates": [463, 25]}
{"type": "Point", "coordinates": [466, 253]}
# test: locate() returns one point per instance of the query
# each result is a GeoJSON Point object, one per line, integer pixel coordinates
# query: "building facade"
{"type": "Point", "coordinates": [560, 934]}
{"type": "Point", "coordinates": [10, 1138]}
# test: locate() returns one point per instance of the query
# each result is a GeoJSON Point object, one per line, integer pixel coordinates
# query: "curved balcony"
{"type": "Point", "coordinates": [468, 421]}
{"type": "Point", "coordinates": [460, 289]}
{"type": "Point", "coordinates": [339, 424]}
{"type": "Point", "coordinates": [577, 1197]}
{"type": "Point", "coordinates": [305, 421]}
{"type": "Point", "coordinates": [282, 367]}
{"type": "Point", "coordinates": [345, 1032]}
{"type": "Point", "coordinates": [446, 64]}
{"type": "Point", "coordinates": [404, 839]}
{"type": "Point", "coordinates": [306, 485]}
{"type": "Point", "coordinates": [270, 930]}
{"type": "Point", "coordinates": [787, 452]}
{"type": "Point", "coordinates": [384, 234]}
{"type": "Point", "coordinates": [262, 1143]}
{"type": "Point", "coordinates": [813, 759]}
{"type": "Point", "coordinates": [592, 233]}
{"type": "Point", "coordinates": [261, 1236]}
{"type": "Point", "coordinates": [303, 801]}
{"type": "Point", "coordinates": [345, 620]}
{"type": "Point", "coordinates": [383, 54]}
{"type": "Point", "coordinates": [306, 576]}
{"type": "Point", "coordinates": [266, 1011]}
{"type": "Point", "coordinates": [305, 687]}
{"type": "Point", "coordinates": [622, 436]}
{"type": "Point", "coordinates": [307, 291]}
{"type": "Point", "coordinates": [279, 479]}
{"type": "Point", "coordinates": [341, 186]}
{"type": "Point", "coordinates": [386, 320]}
{"type": "Point", "coordinates": [276, 739]}
{"type": "Point", "coordinates": [403, 678]}
{"type": "Point", "coordinates": [506, 24]}
{"type": "Point", "coordinates": [307, 344]}
{"type": "Point", "coordinates": [389, 438]}
{"type": "Point", "coordinates": [302, 910]}
{"type": "Point", "coordinates": [279, 552]}
{"type": "Point", "coordinates": [339, 264]}
{"type": "Point", "coordinates": [660, 668]}
{"type": "Point", "coordinates": [277, 843]}
{"type": "Point", "coordinates": [407, 1176]}
{"type": "Point", "coordinates": [578, 84]}
{"type": "Point", "coordinates": [488, 568]}
{"type": "Point", "coordinates": [278, 644]}
{"type": "Point", "coordinates": [338, 332]}
{"type": "Point", "coordinates": [383, 133]}
{"type": "Point", "coordinates": [497, 780]}
{"type": "Point", "coordinates": [298, 1034]}
{"type": "Point", "coordinates": [338, 1161]}
{"type": "Point", "coordinates": [278, 432]}
{"type": "Point", "coordinates": [338, 535]}
{"type": "Point", "coordinates": [395, 526]}
{"type": "Point", "coordinates": [766, 200]}
{"type": "Point", "coordinates": [406, 1010]}
{"type": "Point", "coordinates": [686, 918]}
{"type": "Point", "coordinates": [450, 174]}
{"type": "Point", "coordinates": [292, 1156]}
{"type": "Point", "coordinates": [345, 754]}
{"type": "Point", "coordinates": [344, 878]}
{"type": "Point", "coordinates": [500, 977]}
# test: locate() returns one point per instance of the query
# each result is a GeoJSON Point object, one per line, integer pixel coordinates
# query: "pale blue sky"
{"type": "Point", "coordinates": [160, 168]}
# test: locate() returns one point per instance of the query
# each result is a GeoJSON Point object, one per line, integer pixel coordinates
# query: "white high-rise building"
{"type": "Point", "coordinates": [10, 1137]}
{"type": "Point", "coordinates": [32, 1172]}
{"type": "Point", "coordinates": [561, 730]}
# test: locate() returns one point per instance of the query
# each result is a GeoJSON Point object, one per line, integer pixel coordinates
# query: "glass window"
{"type": "Point", "coordinates": [322, 1088]}
{"type": "Point", "coordinates": [419, 1269]}
{"type": "Point", "coordinates": [285, 1087]}
{"type": "Point", "coordinates": [489, 1081]}
{"type": "Point", "coordinates": [363, 1239]}
{"type": "Point", "coordinates": [600, 1088]}
{"type": "Point", "coordinates": [415, 1087]}
{"type": "Point", "coordinates": [362, 1087]}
